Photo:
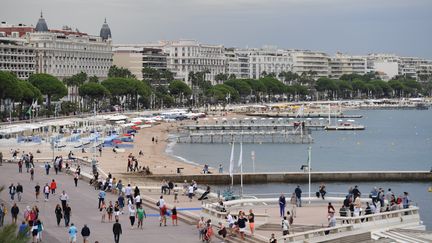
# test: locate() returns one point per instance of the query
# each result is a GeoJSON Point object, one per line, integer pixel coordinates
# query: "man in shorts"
{"type": "Point", "coordinates": [72, 233]}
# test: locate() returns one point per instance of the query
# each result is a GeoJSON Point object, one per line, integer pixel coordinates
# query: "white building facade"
{"type": "Point", "coordinates": [237, 63]}
{"type": "Point", "coordinates": [17, 57]}
{"type": "Point", "coordinates": [186, 56]}
{"type": "Point", "coordinates": [305, 61]}
{"type": "Point", "coordinates": [341, 64]}
{"type": "Point", "coordinates": [268, 60]}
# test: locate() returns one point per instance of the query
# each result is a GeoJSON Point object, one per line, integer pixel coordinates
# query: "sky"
{"type": "Point", "coordinates": [402, 27]}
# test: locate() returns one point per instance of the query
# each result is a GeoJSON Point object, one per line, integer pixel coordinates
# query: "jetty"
{"type": "Point", "coordinates": [306, 115]}
{"type": "Point", "coordinates": [291, 133]}
{"type": "Point", "coordinates": [290, 137]}
{"type": "Point", "coordinates": [297, 177]}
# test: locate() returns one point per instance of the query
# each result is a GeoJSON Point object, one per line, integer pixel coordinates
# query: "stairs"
{"type": "Point", "coordinates": [405, 236]}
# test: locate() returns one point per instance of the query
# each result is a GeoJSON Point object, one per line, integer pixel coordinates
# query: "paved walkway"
{"type": "Point", "coordinates": [83, 201]}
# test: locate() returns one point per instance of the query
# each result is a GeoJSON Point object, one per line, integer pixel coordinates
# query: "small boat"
{"type": "Point", "coordinates": [345, 126]}
{"type": "Point", "coordinates": [430, 189]}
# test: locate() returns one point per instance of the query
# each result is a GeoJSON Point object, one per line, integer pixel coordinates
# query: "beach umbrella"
{"type": "Point", "coordinates": [291, 118]}
{"type": "Point", "coordinates": [263, 118]}
{"type": "Point", "coordinates": [246, 118]}
{"type": "Point", "coordinates": [340, 120]}
{"type": "Point", "coordinates": [350, 120]}
{"type": "Point", "coordinates": [308, 118]}
{"type": "Point", "coordinates": [215, 118]}
{"type": "Point", "coordinates": [206, 119]}
{"type": "Point", "coordinates": [271, 118]}
{"type": "Point", "coordinates": [234, 118]}
{"type": "Point", "coordinates": [224, 118]}
{"type": "Point", "coordinates": [254, 118]}
{"type": "Point", "coordinates": [321, 118]}
{"type": "Point", "coordinates": [280, 118]}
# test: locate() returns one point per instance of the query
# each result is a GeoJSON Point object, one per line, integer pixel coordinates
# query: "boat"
{"type": "Point", "coordinates": [344, 126]}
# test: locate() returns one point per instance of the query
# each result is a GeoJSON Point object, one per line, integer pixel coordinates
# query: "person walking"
{"type": "Point", "coordinates": [58, 214]}
{"type": "Point", "coordinates": [72, 233]}
{"type": "Point", "coordinates": [117, 231]}
{"type": "Point", "coordinates": [46, 191]}
{"type": "Point", "coordinates": [174, 216]}
{"type": "Point", "coordinates": [47, 168]}
{"type": "Point", "coordinates": [53, 186]}
{"type": "Point", "coordinates": [241, 222]}
{"type": "Point", "coordinates": [2, 214]}
{"type": "Point", "coordinates": [285, 226]}
{"type": "Point", "coordinates": [14, 213]}
{"type": "Point", "coordinates": [67, 214]}
{"type": "Point", "coordinates": [40, 229]}
{"type": "Point", "coordinates": [272, 238]}
{"type": "Point", "coordinates": [132, 214]}
{"type": "Point", "coordinates": [110, 211]}
{"type": "Point", "coordinates": [12, 191]}
{"type": "Point", "coordinates": [406, 200]}
{"type": "Point", "coordinates": [76, 176]}
{"type": "Point", "coordinates": [251, 218]}
{"type": "Point", "coordinates": [103, 211]}
{"type": "Point", "coordinates": [85, 233]}
{"type": "Point", "coordinates": [20, 165]}
{"type": "Point", "coordinates": [293, 202]}
{"type": "Point", "coordinates": [64, 198]}
{"type": "Point", "coordinates": [19, 191]}
{"type": "Point", "coordinates": [32, 171]}
{"type": "Point", "coordinates": [140, 214]}
{"type": "Point", "coordinates": [22, 230]}
{"type": "Point", "coordinates": [298, 193]}
{"type": "Point", "coordinates": [37, 191]}
{"type": "Point", "coordinates": [282, 203]}
{"type": "Point", "coordinates": [163, 212]}
{"type": "Point", "coordinates": [101, 197]}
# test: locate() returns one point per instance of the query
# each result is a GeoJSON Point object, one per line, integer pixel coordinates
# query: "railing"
{"type": "Point", "coordinates": [304, 236]}
{"type": "Point", "coordinates": [373, 218]}
{"type": "Point", "coordinates": [358, 224]}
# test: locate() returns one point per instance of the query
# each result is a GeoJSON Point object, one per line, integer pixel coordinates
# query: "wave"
{"type": "Point", "coordinates": [169, 151]}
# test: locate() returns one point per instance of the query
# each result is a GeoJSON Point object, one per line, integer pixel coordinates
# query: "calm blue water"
{"type": "Point", "coordinates": [393, 140]}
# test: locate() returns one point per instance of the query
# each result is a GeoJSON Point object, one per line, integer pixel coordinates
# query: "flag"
{"type": "Point", "coordinates": [240, 161]}
{"type": "Point", "coordinates": [231, 167]}
{"type": "Point", "coordinates": [300, 111]}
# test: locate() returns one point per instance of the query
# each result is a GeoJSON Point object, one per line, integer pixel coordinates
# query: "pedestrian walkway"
{"type": "Point", "coordinates": [84, 202]}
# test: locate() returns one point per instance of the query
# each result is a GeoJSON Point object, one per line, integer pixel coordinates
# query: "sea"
{"type": "Point", "coordinates": [394, 140]}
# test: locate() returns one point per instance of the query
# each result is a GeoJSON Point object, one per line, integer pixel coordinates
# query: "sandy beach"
{"type": "Point", "coordinates": [155, 157]}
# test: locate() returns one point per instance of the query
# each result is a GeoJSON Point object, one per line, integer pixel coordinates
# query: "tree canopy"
{"type": "Point", "coordinates": [48, 85]}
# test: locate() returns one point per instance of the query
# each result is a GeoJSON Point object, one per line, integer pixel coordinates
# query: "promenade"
{"type": "Point", "coordinates": [83, 201]}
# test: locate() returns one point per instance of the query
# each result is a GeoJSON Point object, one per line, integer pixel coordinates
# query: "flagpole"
{"type": "Point", "coordinates": [309, 170]}
{"type": "Point", "coordinates": [231, 167]}
{"type": "Point", "coordinates": [241, 170]}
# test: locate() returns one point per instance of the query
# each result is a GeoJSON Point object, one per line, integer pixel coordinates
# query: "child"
{"type": "Point", "coordinates": [174, 216]}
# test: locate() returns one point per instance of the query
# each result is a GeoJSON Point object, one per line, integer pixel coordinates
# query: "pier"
{"type": "Point", "coordinates": [246, 133]}
{"type": "Point", "coordinates": [298, 177]}
{"type": "Point", "coordinates": [290, 137]}
{"type": "Point", "coordinates": [306, 115]}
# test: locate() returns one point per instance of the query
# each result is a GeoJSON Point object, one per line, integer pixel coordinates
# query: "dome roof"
{"type": "Point", "coordinates": [105, 31]}
{"type": "Point", "coordinates": [41, 25]}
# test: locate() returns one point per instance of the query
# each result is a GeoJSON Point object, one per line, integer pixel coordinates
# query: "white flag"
{"type": "Point", "coordinates": [240, 161]}
{"type": "Point", "coordinates": [300, 111]}
{"type": "Point", "coordinates": [231, 167]}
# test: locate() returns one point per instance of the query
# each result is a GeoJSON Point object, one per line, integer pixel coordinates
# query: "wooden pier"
{"type": "Point", "coordinates": [251, 126]}
{"type": "Point", "coordinates": [247, 132]}
{"type": "Point", "coordinates": [290, 137]}
{"type": "Point", "coordinates": [307, 115]}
